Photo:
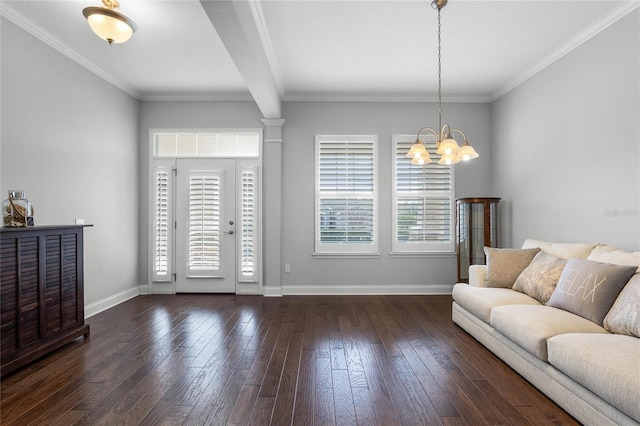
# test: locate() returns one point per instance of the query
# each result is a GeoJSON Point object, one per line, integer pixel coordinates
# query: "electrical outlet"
{"type": "Point", "coordinates": [79, 221]}
{"type": "Point", "coordinates": [287, 268]}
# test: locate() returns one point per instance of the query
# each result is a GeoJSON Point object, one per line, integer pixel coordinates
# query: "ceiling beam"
{"type": "Point", "coordinates": [236, 25]}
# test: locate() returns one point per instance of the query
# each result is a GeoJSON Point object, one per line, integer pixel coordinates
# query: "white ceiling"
{"type": "Point", "coordinates": [320, 49]}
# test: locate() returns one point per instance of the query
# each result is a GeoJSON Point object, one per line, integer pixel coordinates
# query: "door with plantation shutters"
{"type": "Point", "coordinates": [205, 226]}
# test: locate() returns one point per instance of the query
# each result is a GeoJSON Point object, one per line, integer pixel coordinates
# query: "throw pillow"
{"type": "Point", "coordinates": [539, 279]}
{"type": "Point", "coordinates": [589, 288]}
{"type": "Point", "coordinates": [608, 254]}
{"type": "Point", "coordinates": [504, 265]}
{"type": "Point", "coordinates": [561, 250]}
{"type": "Point", "coordinates": [624, 316]}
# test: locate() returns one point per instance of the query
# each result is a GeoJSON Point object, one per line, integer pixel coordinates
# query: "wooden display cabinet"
{"type": "Point", "coordinates": [41, 292]}
{"type": "Point", "coordinates": [476, 227]}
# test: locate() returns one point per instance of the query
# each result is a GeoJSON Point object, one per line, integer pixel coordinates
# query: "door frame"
{"type": "Point", "coordinates": [249, 286]}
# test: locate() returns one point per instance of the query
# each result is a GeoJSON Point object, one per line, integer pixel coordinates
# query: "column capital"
{"type": "Point", "coordinates": [273, 129]}
{"type": "Point", "coordinates": [273, 122]}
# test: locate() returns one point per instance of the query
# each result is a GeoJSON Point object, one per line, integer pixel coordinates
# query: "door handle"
{"type": "Point", "coordinates": [229, 232]}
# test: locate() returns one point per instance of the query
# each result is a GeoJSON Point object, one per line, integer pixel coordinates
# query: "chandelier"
{"type": "Point", "coordinates": [108, 24]}
{"type": "Point", "coordinates": [449, 150]}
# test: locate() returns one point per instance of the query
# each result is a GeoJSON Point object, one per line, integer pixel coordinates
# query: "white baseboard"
{"type": "Point", "coordinates": [325, 290]}
{"type": "Point", "coordinates": [272, 291]}
{"type": "Point", "coordinates": [437, 289]}
{"type": "Point", "coordinates": [111, 301]}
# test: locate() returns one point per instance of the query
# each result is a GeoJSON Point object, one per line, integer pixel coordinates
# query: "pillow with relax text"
{"type": "Point", "coordinates": [589, 288]}
{"type": "Point", "coordinates": [505, 265]}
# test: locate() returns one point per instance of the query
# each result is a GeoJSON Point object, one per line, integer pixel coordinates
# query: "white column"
{"type": "Point", "coordinates": [272, 161]}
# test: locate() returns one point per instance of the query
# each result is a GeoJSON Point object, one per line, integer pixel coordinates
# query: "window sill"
{"type": "Point", "coordinates": [399, 254]}
{"type": "Point", "coordinates": [338, 255]}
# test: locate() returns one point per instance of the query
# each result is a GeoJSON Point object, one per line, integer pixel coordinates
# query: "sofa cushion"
{"type": "Point", "coordinates": [480, 300]}
{"type": "Point", "coordinates": [589, 288]}
{"type": "Point", "coordinates": [607, 254]}
{"type": "Point", "coordinates": [539, 279]}
{"type": "Point", "coordinates": [624, 316]}
{"type": "Point", "coordinates": [530, 326]}
{"type": "Point", "coordinates": [561, 250]}
{"type": "Point", "coordinates": [606, 364]}
{"type": "Point", "coordinates": [504, 265]}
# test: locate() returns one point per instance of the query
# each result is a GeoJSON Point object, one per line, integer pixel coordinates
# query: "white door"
{"type": "Point", "coordinates": [205, 226]}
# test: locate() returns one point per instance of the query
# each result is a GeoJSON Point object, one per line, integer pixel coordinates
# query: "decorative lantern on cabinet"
{"type": "Point", "coordinates": [17, 211]}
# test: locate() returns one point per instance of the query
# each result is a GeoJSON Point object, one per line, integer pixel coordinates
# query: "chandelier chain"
{"type": "Point", "coordinates": [446, 145]}
{"type": "Point", "coordinates": [439, 73]}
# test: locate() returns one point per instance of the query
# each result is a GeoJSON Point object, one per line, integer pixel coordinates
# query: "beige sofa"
{"type": "Point", "coordinates": [590, 371]}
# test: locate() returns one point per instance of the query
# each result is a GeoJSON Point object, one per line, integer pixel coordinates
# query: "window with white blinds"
{"type": "Point", "coordinates": [346, 194]}
{"type": "Point", "coordinates": [207, 144]}
{"type": "Point", "coordinates": [162, 221]}
{"type": "Point", "coordinates": [422, 201]}
{"type": "Point", "coordinates": [249, 225]}
{"type": "Point", "coordinates": [204, 225]}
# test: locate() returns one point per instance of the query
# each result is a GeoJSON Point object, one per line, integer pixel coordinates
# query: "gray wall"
{"type": "Point", "coordinates": [69, 139]}
{"type": "Point", "coordinates": [181, 115]}
{"type": "Point", "coordinates": [304, 121]}
{"type": "Point", "coordinates": [565, 146]}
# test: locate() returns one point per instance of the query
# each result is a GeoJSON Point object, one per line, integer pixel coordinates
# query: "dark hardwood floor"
{"type": "Point", "coordinates": [214, 360]}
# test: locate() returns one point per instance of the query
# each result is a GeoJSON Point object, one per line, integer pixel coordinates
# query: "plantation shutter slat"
{"type": "Point", "coordinates": [161, 261]}
{"type": "Point", "coordinates": [162, 221]}
{"type": "Point", "coordinates": [204, 223]}
{"type": "Point", "coordinates": [248, 235]}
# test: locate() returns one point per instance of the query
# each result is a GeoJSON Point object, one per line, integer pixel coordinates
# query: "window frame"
{"type": "Point", "coordinates": [346, 249]}
{"type": "Point", "coordinates": [420, 248]}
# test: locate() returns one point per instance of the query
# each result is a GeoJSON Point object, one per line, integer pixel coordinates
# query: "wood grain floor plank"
{"type": "Point", "coordinates": [436, 394]}
{"type": "Point", "coordinates": [262, 411]}
{"type": "Point", "coordinates": [408, 396]}
{"type": "Point", "coordinates": [284, 405]}
{"type": "Point", "coordinates": [241, 412]}
{"type": "Point", "coordinates": [324, 412]}
{"type": "Point", "coordinates": [273, 373]}
{"type": "Point", "coordinates": [344, 408]}
{"type": "Point", "coordinates": [357, 376]}
{"type": "Point", "coordinates": [305, 389]}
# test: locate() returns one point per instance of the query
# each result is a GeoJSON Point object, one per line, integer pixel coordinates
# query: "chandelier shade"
{"type": "Point", "coordinates": [467, 152]}
{"type": "Point", "coordinates": [419, 154]}
{"type": "Point", "coordinates": [446, 146]}
{"type": "Point", "coordinates": [109, 25]}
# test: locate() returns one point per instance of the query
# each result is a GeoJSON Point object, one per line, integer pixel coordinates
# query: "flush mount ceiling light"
{"type": "Point", "coordinates": [108, 24]}
{"type": "Point", "coordinates": [449, 150]}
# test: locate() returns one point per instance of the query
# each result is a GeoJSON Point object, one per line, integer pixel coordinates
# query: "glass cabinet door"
{"type": "Point", "coordinates": [476, 227]}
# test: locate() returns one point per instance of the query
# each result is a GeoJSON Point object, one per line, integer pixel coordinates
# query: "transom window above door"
{"type": "Point", "coordinates": [207, 144]}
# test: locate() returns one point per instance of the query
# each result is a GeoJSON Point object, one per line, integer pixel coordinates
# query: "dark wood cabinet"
{"type": "Point", "coordinates": [42, 292]}
{"type": "Point", "coordinates": [476, 227]}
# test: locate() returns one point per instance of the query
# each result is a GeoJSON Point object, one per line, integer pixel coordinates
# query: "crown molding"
{"type": "Point", "coordinates": [606, 21]}
{"type": "Point", "coordinates": [196, 97]}
{"type": "Point", "coordinates": [46, 37]}
{"type": "Point", "coordinates": [319, 97]}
